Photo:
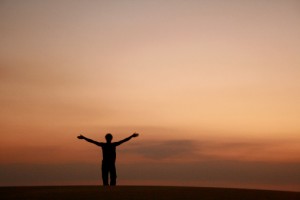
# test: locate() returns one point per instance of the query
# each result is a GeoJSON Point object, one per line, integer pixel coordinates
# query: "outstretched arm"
{"type": "Point", "coordinates": [89, 140]}
{"type": "Point", "coordinates": [127, 139]}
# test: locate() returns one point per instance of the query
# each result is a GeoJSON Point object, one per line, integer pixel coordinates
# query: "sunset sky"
{"type": "Point", "coordinates": [213, 88]}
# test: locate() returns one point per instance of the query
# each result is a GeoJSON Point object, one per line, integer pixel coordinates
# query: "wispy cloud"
{"type": "Point", "coordinates": [213, 150]}
{"type": "Point", "coordinates": [163, 149]}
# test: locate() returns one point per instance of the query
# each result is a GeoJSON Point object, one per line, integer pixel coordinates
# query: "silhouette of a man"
{"type": "Point", "coordinates": [109, 156]}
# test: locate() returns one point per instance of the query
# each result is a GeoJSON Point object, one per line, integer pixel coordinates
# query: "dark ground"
{"type": "Point", "coordinates": [141, 193]}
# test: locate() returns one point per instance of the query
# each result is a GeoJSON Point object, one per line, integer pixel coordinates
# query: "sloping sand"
{"type": "Point", "coordinates": [141, 193]}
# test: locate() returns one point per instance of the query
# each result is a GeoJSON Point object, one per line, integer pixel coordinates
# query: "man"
{"type": "Point", "coordinates": [109, 156]}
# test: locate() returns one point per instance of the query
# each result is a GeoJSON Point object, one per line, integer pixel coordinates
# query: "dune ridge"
{"type": "Point", "coordinates": [140, 193]}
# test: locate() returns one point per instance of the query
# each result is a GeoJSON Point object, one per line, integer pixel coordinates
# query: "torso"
{"type": "Point", "coordinates": [109, 152]}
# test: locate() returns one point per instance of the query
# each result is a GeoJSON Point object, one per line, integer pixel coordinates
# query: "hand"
{"type": "Point", "coordinates": [80, 137]}
{"type": "Point", "coordinates": [135, 135]}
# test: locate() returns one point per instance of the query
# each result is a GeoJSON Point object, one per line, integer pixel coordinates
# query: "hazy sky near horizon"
{"type": "Point", "coordinates": [202, 81]}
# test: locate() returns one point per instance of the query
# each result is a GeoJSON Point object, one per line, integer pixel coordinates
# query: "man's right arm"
{"type": "Point", "coordinates": [89, 140]}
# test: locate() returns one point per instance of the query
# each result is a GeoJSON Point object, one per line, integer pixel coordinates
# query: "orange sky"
{"type": "Point", "coordinates": [200, 80]}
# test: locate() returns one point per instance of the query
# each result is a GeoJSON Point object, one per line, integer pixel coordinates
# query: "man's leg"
{"type": "Point", "coordinates": [105, 169]}
{"type": "Point", "coordinates": [113, 174]}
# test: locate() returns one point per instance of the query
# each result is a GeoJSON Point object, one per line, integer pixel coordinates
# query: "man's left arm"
{"type": "Point", "coordinates": [127, 139]}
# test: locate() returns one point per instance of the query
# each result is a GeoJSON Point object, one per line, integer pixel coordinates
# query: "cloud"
{"type": "Point", "coordinates": [239, 146]}
{"type": "Point", "coordinates": [197, 150]}
{"type": "Point", "coordinates": [163, 149]}
{"type": "Point", "coordinates": [252, 150]}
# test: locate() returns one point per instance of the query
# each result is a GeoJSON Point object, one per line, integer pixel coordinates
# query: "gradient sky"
{"type": "Point", "coordinates": [213, 88]}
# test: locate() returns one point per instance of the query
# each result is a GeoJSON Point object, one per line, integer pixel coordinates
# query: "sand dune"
{"type": "Point", "coordinates": [141, 193]}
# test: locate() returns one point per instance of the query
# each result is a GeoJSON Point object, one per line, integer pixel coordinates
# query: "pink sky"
{"type": "Point", "coordinates": [205, 83]}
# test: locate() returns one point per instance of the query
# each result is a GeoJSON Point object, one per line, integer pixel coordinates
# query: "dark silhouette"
{"type": "Point", "coordinates": [109, 156]}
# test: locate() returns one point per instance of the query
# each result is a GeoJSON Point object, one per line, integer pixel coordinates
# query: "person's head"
{"type": "Point", "coordinates": [108, 137]}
